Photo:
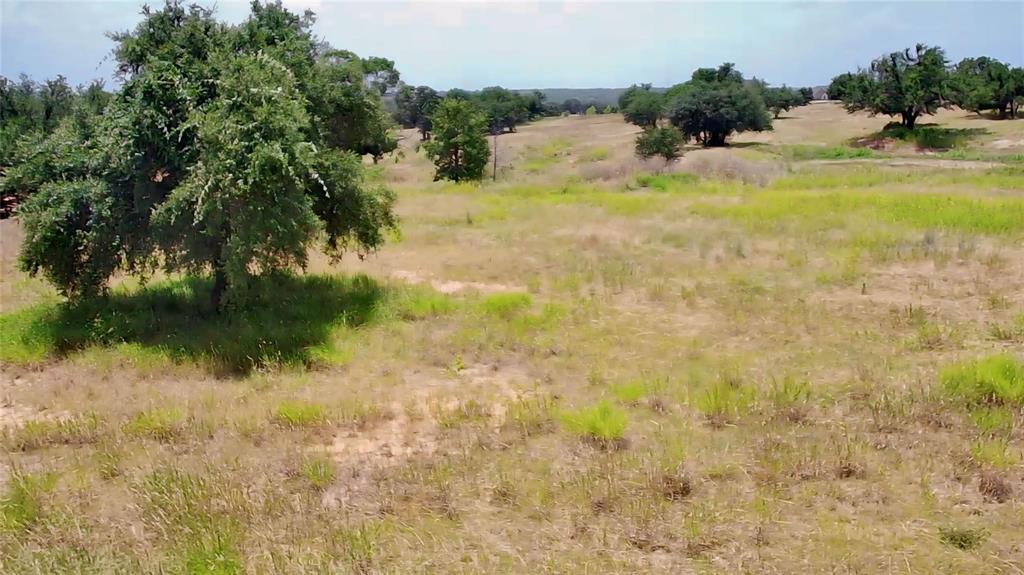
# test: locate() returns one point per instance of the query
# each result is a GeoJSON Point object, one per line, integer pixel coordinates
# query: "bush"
{"type": "Point", "coordinates": [665, 142]}
{"type": "Point", "coordinates": [993, 380]}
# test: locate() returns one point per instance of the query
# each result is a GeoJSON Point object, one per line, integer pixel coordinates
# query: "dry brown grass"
{"type": "Point", "coordinates": [780, 383]}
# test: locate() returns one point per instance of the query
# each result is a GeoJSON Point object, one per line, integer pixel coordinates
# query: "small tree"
{"type": "Point", "coordinates": [806, 96]}
{"type": "Point", "coordinates": [644, 109]}
{"type": "Point", "coordinates": [907, 84]}
{"type": "Point", "coordinates": [572, 106]}
{"type": "Point", "coordinates": [415, 105]}
{"type": "Point", "coordinates": [665, 141]}
{"type": "Point", "coordinates": [459, 146]}
{"type": "Point", "coordinates": [228, 149]}
{"type": "Point", "coordinates": [781, 100]}
{"type": "Point", "coordinates": [591, 110]}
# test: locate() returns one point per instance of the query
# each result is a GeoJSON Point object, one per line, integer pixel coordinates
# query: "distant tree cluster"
{"type": "Point", "coordinates": [228, 148]}
{"type": "Point", "coordinates": [711, 106]}
{"type": "Point", "coordinates": [918, 81]}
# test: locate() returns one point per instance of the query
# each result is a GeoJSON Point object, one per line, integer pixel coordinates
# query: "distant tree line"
{"type": "Point", "coordinates": [918, 81]}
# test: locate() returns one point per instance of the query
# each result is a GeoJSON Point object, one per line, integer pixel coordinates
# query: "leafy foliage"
{"type": "Point", "coordinates": [415, 105]}
{"type": "Point", "coordinates": [980, 84]}
{"type": "Point", "coordinates": [664, 141]}
{"type": "Point", "coordinates": [459, 148]}
{"type": "Point", "coordinates": [907, 84]}
{"type": "Point", "coordinates": [716, 103]}
{"type": "Point", "coordinates": [228, 148]}
{"type": "Point", "coordinates": [643, 107]}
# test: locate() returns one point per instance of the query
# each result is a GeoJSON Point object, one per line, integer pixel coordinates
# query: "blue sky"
{"type": "Point", "coordinates": [557, 44]}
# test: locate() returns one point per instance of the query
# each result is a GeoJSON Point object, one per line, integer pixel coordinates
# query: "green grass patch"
{"type": "Point", "coordinates": [995, 380]}
{"type": "Point", "coordinates": [299, 414]}
{"type": "Point", "coordinates": [36, 434]}
{"type": "Point", "coordinates": [318, 471]}
{"type": "Point", "coordinates": [725, 400]}
{"type": "Point", "coordinates": [837, 209]}
{"type": "Point", "coordinates": [668, 182]}
{"type": "Point", "coordinates": [506, 305]}
{"type": "Point", "coordinates": [595, 154]}
{"type": "Point", "coordinates": [159, 423]}
{"type": "Point", "coordinates": [21, 506]}
{"type": "Point", "coordinates": [806, 152]}
{"type": "Point", "coordinates": [602, 423]}
{"type": "Point", "coordinates": [865, 176]}
{"type": "Point", "coordinates": [278, 320]}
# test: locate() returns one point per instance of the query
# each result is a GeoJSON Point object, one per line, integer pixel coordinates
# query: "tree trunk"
{"type": "Point", "coordinates": [908, 119]}
{"type": "Point", "coordinates": [220, 286]}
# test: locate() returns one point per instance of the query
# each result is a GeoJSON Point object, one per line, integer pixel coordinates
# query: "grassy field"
{"type": "Point", "coordinates": [801, 354]}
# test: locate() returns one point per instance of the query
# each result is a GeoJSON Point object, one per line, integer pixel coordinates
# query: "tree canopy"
{"type": "Point", "coordinates": [644, 108]}
{"type": "Point", "coordinates": [459, 146]}
{"type": "Point", "coordinates": [980, 84]}
{"type": "Point", "coordinates": [229, 148]}
{"type": "Point", "coordinates": [665, 141]}
{"type": "Point", "coordinates": [907, 84]}
{"type": "Point", "coordinates": [415, 105]}
{"type": "Point", "coordinates": [714, 104]}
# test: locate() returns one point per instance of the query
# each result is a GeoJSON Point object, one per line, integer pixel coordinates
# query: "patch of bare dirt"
{"type": "Point", "coordinates": [923, 162]}
{"type": "Point", "coordinates": [1005, 144]}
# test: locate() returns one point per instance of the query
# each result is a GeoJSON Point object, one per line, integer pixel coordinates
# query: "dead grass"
{"type": "Point", "coordinates": [748, 363]}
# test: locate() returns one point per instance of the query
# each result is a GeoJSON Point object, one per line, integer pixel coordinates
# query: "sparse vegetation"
{"type": "Point", "coordinates": [796, 353]}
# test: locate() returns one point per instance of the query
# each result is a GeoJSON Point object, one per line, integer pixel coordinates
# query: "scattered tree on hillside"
{"type": "Point", "coordinates": [980, 84]}
{"type": "Point", "coordinates": [644, 108]}
{"type": "Point", "coordinates": [459, 147]}
{"type": "Point", "coordinates": [665, 141]}
{"type": "Point", "coordinates": [782, 99]}
{"type": "Point", "coordinates": [714, 104]}
{"type": "Point", "coordinates": [415, 105]}
{"type": "Point", "coordinates": [228, 148]}
{"type": "Point", "coordinates": [627, 96]}
{"type": "Point", "coordinates": [907, 84]}
{"type": "Point", "coordinates": [505, 109]}
{"type": "Point", "coordinates": [839, 88]}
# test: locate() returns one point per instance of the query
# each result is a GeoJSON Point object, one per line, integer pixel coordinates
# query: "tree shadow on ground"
{"type": "Point", "coordinates": [924, 136]}
{"type": "Point", "coordinates": [277, 320]}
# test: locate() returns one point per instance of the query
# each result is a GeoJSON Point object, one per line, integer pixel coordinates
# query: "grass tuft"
{"type": "Point", "coordinates": [603, 424]}
{"type": "Point", "coordinates": [295, 414]}
{"type": "Point", "coordinates": [995, 380]}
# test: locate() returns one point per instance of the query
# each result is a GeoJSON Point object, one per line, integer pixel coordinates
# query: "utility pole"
{"type": "Point", "coordinates": [494, 169]}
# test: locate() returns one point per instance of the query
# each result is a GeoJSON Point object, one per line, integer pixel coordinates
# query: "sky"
{"type": "Point", "coordinates": [555, 43]}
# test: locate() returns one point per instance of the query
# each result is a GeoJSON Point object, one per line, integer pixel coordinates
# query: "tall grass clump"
{"type": "Point", "coordinates": [602, 424]}
{"type": "Point", "coordinates": [995, 380]}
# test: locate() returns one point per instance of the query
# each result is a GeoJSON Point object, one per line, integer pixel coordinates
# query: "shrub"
{"type": "Point", "coordinates": [665, 142]}
{"type": "Point", "coordinates": [603, 424]}
{"type": "Point", "coordinates": [993, 380]}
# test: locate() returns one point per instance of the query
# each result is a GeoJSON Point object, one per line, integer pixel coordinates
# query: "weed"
{"type": "Point", "coordinates": [962, 538]}
{"type": "Point", "coordinates": [318, 471]}
{"type": "Point", "coordinates": [22, 504]}
{"type": "Point", "coordinates": [994, 453]}
{"type": "Point", "coordinates": [725, 400]}
{"type": "Point", "coordinates": [992, 421]}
